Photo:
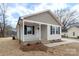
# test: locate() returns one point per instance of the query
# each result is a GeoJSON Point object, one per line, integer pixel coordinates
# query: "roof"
{"type": "Point", "coordinates": [73, 26]}
{"type": "Point", "coordinates": [51, 13]}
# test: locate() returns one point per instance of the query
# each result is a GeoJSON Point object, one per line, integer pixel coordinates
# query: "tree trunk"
{"type": "Point", "coordinates": [4, 25]}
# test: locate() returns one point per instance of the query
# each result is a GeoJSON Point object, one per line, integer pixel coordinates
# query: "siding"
{"type": "Point", "coordinates": [43, 17]}
{"type": "Point", "coordinates": [53, 36]}
{"type": "Point", "coordinates": [73, 29]}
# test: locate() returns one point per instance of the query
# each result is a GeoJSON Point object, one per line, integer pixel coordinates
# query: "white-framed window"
{"type": "Point", "coordinates": [57, 30]}
{"type": "Point", "coordinates": [28, 29]}
{"type": "Point", "coordinates": [52, 30]}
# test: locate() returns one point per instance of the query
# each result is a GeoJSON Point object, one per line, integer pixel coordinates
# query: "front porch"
{"type": "Point", "coordinates": [34, 32]}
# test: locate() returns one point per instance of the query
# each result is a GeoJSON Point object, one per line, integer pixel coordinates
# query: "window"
{"type": "Point", "coordinates": [28, 29]}
{"type": "Point", "coordinates": [57, 30]}
{"type": "Point", "coordinates": [73, 33]}
{"type": "Point", "coordinates": [52, 30]}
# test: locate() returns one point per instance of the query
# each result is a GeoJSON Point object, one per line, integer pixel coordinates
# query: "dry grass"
{"type": "Point", "coordinates": [11, 47]}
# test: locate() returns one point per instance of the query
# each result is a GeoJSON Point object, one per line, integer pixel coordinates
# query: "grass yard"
{"type": "Point", "coordinates": [9, 47]}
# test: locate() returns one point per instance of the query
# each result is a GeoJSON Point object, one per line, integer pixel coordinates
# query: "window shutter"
{"type": "Point", "coordinates": [33, 30]}
{"type": "Point", "coordinates": [25, 29]}
{"type": "Point", "coordinates": [51, 30]}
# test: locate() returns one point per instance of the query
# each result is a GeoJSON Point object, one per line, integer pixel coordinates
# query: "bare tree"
{"type": "Point", "coordinates": [68, 18]}
{"type": "Point", "coordinates": [3, 9]}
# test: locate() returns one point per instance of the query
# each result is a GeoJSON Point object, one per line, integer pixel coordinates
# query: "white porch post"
{"type": "Point", "coordinates": [23, 30]}
{"type": "Point", "coordinates": [39, 31]}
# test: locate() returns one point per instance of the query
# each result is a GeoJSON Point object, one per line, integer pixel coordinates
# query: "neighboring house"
{"type": "Point", "coordinates": [42, 26]}
{"type": "Point", "coordinates": [72, 32]}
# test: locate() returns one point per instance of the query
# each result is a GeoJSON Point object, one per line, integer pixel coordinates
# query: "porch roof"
{"type": "Point", "coordinates": [30, 21]}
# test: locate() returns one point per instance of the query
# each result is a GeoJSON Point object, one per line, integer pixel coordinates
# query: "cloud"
{"type": "Point", "coordinates": [76, 7]}
{"type": "Point", "coordinates": [50, 6]}
{"type": "Point", "coordinates": [21, 10]}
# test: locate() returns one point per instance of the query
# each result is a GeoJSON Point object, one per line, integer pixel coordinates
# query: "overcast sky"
{"type": "Point", "coordinates": [15, 10]}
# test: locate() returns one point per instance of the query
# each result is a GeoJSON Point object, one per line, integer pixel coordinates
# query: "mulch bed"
{"type": "Point", "coordinates": [33, 47]}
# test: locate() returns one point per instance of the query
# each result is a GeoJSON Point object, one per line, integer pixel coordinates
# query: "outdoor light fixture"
{"type": "Point", "coordinates": [38, 28]}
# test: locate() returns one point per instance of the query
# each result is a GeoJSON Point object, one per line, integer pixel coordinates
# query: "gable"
{"type": "Point", "coordinates": [44, 17]}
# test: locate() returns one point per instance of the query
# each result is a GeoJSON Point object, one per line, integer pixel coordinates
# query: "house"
{"type": "Point", "coordinates": [42, 26]}
{"type": "Point", "coordinates": [73, 32]}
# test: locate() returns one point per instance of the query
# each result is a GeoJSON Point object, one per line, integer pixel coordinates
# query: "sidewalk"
{"type": "Point", "coordinates": [64, 41]}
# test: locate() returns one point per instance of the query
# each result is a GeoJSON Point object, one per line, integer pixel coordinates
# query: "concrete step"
{"type": "Point", "coordinates": [45, 41]}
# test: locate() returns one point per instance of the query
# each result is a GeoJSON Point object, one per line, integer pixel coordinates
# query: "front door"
{"type": "Point", "coordinates": [43, 32]}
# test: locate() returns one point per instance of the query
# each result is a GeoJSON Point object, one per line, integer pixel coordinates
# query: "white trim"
{"type": "Point", "coordinates": [40, 31]}
{"type": "Point", "coordinates": [30, 21]}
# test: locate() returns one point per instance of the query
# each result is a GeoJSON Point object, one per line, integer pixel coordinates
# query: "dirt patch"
{"type": "Point", "coordinates": [33, 47]}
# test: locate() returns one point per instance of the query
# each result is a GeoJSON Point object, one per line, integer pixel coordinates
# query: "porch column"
{"type": "Point", "coordinates": [39, 31]}
{"type": "Point", "coordinates": [23, 31]}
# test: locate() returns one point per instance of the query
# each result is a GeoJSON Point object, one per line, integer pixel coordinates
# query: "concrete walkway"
{"type": "Point", "coordinates": [64, 41]}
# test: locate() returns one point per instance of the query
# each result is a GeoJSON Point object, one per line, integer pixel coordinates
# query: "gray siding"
{"type": "Point", "coordinates": [43, 17]}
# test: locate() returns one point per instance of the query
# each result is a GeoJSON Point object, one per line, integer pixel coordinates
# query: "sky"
{"type": "Point", "coordinates": [15, 10]}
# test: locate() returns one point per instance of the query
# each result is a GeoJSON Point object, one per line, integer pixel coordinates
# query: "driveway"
{"type": "Point", "coordinates": [64, 41]}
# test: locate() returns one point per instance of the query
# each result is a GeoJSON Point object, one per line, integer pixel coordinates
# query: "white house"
{"type": "Point", "coordinates": [73, 32]}
{"type": "Point", "coordinates": [41, 26]}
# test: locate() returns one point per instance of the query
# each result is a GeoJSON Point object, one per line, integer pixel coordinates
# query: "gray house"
{"type": "Point", "coordinates": [42, 26]}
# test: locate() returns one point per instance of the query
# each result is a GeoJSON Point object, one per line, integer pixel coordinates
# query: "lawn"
{"type": "Point", "coordinates": [9, 47]}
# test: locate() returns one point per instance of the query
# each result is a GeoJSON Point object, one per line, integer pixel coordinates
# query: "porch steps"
{"type": "Point", "coordinates": [45, 41]}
